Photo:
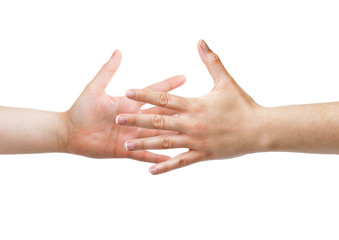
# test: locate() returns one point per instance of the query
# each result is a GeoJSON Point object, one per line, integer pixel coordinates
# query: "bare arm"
{"type": "Point", "coordinates": [88, 128]}
{"type": "Point", "coordinates": [312, 128]}
{"type": "Point", "coordinates": [31, 131]}
{"type": "Point", "coordinates": [228, 123]}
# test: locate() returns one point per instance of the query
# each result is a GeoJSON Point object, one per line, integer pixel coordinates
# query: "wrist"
{"type": "Point", "coordinates": [274, 126]}
{"type": "Point", "coordinates": [63, 132]}
{"type": "Point", "coordinates": [264, 139]}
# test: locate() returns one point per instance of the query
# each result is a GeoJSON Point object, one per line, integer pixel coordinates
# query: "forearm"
{"type": "Point", "coordinates": [227, 123]}
{"type": "Point", "coordinates": [31, 131]}
{"type": "Point", "coordinates": [312, 128]}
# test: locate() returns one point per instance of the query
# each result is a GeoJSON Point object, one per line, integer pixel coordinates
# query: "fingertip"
{"type": "Point", "coordinates": [201, 50]}
{"type": "Point", "coordinates": [181, 79]}
{"type": "Point", "coordinates": [199, 43]}
{"type": "Point", "coordinates": [115, 59]}
{"type": "Point", "coordinates": [129, 146]}
{"type": "Point", "coordinates": [116, 53]}
{"type": "Point", "coordinates": [174, 82]}
{"type": "Point", "coordinates": [120, 119]}
{"type": "Point", "coordinates": [203, 45]}
{"type": "Point", "coordinates": [131, 93]}
{"type": "Point", "coordinates": [153, 170]}
{"type": "Point", "coordinates": [112, 64]}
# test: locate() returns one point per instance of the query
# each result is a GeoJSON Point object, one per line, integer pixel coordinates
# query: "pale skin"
{"type": "Point", "coordinates": [227, 123]}
{"type": "Point", "coordinates": [88, 128]}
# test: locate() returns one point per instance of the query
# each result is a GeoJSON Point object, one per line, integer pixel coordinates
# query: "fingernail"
{"type": "Point", "coordinates": [122, 120]}
{"type": "Point", "coordinates": [154, 170]}
{"type": "Point", "coordinates": [130, 146]}
{"type": "Point", "coordinates": [131, 93]}
{"type": "Point", "coordinates": [204, 45]}
{"type": "Point", "coordinates": [114, 53]}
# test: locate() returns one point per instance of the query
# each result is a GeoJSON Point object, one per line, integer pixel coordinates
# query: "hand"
{"type": "Point", "coordinates": [91, 129]}
{"type": "Point", "coordinates": [222, 124]}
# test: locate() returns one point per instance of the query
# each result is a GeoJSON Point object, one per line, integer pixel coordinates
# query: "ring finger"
{"type": "Point", "coordinates": [152, 121]}
{"type": "Point", "coordinates": [159, 142]}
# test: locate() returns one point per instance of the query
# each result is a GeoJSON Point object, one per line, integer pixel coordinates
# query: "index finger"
{"type": "Point", "coordinates": [168, 84]}
{"type": "Point", "coordinates": [160, 99]}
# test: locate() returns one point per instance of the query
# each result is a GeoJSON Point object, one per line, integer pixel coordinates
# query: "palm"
{"type": "Point", "coordinates": [91, 120]}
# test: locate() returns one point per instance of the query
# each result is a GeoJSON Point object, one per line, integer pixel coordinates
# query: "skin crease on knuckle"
{"type": "Point", "coordinates": [141, 94]}
{"type": "Point", "coordinates": [164, 99]}
{"type": "Point", "coordinates": [198, 131]}
{"type": "Point", "coordinates": [213, 58]}
{"type": "Point", "coordinates": [166, 142]}
{"type": "Point", "coordinates": [163, 168]}
{"type": "Point", "coordinates": [158, 121]}
{"type": "Point", "coordinates": [198, 106]}
{"type": "Point", "coordinates": [182, 162]}
{"type": "Point", "coordinates": [132, 120]}
{"type": "Point", "coordinates": [141, 145]}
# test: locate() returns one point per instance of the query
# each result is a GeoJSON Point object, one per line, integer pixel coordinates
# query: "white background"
{"type": "Point", "coordinates": [280, 52]}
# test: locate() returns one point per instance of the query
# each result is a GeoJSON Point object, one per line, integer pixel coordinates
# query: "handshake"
{"type": "Point", "coordinates": [224, 123]}
{"type": "Point", "coordinates": [217, 125]}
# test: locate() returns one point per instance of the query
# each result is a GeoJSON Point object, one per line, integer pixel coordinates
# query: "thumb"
{"type": "Point", "coordinates": [213, 64]}
{"type": "Point", "coordinates": [103, 77]}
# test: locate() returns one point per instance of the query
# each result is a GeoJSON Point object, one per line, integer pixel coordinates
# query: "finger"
{"type": "Point", "coordinates": [158, 110]}
{"type": "Point", "coordinates": [145, 133]}
{"type": "Point", "coordinates": [213, 64]}
{"type": "Point", "coordinates": [160, 99]}
{"type": "Point", "coordinates": [168, 84]}
{"type": "Point", "coordinates": [179, 161]}
{"type": "Point", "coordinates": [151, 121]}
{"type": "Point", "coordinates": [106, 73]}
{"type": "Point", "coordinates": [159, 142]}
{"type": "Point", "coordinates": [146, 156]}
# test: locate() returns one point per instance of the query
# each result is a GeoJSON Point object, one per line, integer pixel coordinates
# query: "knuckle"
{"type": "Point", "coordinates": [164, 99]}
{"type": "Point", "coordinates": [156, 111]}
{"type": "Point", "coordinates": [166, 142]}
{"type": "Point", "coordinates": [182, 162]}
{"type": "Point", "coordinates": [141, 145]}
{"type": "Point", "coordinates": [198, 107]}
{"type": "Point", "coordinates": [165, 169]}
{"type": "Point", "coordinates": [132, 120]}
{"type": "Point", "coordinates": [159, 111]}
{"type": "Point", "coordinates": [213, 58]}
{"type": "Point", "coordinates": [197, 129]}
{"type": "Point", "coordinates": [200, 126]}
{"type": "Point", "coordinates": [158, 121]}
{"type": "Point", "coordinates": [141, 95]}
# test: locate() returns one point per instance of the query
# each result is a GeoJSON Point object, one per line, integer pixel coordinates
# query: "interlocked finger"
{"type": "Point", "coordinates": [179, 161]}
{"type": "Point", "coordinates": [152, 121]}
{"type": "Point", "coordinates": [158, 110]}
{"type": "Point", "coordinates": [161, 99]}
{"type": "Point", "coordinates": [159, 142]}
